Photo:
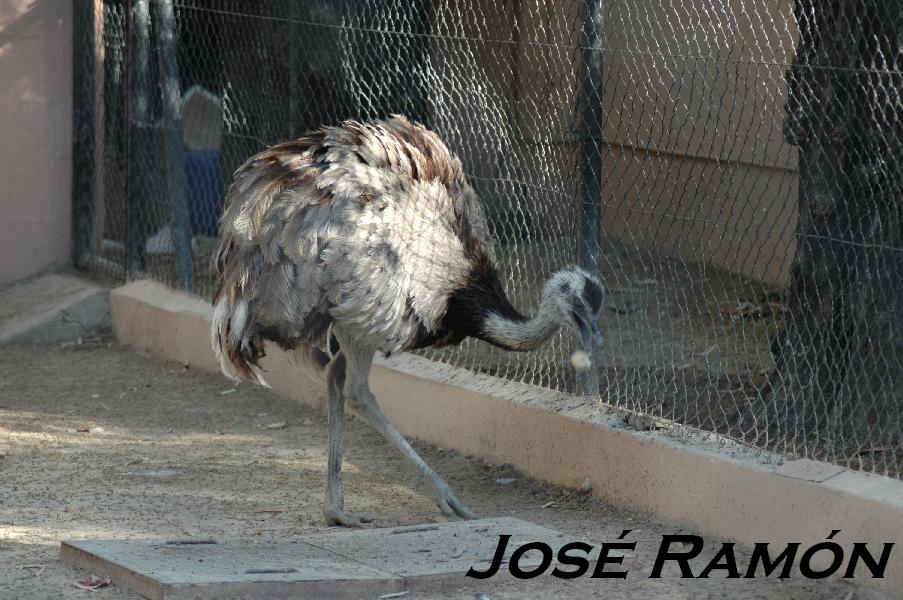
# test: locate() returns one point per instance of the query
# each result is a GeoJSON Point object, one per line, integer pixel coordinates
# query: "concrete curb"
{"type": "Point", "coordinates": [52, 309]}
{"type": "Point", "coordinates": [716, 486]}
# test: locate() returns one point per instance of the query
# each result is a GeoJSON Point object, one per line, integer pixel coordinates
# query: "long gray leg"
{"type": "Point", "coordinates": [362, 401]}
{"type": "Point", "coordinates": [334, 506]}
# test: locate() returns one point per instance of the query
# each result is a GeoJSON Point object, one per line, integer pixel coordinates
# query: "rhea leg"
{"type": "Point", "coordinates": [362, 401]}
{"type": "Point", "coordinates": [334, 505]}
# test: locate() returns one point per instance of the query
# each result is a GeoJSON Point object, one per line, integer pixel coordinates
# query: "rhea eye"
{"type": "Point", "coordinates": [565, 288]}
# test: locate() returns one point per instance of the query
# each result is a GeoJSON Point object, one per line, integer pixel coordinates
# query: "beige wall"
{"type": "Point", "coordinates": [694, 162]}
{"type": "Point", "coordinates": [35, 135]}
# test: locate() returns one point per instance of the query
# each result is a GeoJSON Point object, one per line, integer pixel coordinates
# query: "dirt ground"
{"type": "Point", "coordinates": [99, 441]}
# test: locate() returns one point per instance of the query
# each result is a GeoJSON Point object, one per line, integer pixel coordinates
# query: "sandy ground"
{"type": "Point", "coordinates": [170, 451]}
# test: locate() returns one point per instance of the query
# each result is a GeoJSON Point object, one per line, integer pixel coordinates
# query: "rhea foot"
{"type": "Point", "coordinates": [341, 518]}
{"type": "Point", "coordinates": [449, 503]}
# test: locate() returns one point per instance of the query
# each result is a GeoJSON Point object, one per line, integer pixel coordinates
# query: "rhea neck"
{"type": "Point", "coordinates": [481, 309]}
{"type": "Point", "coordinates": [515, 332]}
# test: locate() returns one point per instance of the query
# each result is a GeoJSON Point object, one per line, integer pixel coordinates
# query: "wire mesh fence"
{"type": "Point", "coordinates": [730, 169]}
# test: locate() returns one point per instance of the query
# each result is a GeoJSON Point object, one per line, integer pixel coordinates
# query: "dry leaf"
{"type": "Point", "coordinates": [548, 504]}
{"type": "Point", "coordinates": [279, 425]}
{"type": "Point", "coordinates": [622, 309]}
{"type": "Point", "coordinates": [393, 595]}
{"type": "Point", "coordinates": [751, 310]}
{"type": "Point", "coordinates": [93, 583]}
{"type": "Point", "coordinates": [81, 430]}
{"type": "Point", "coordinates": [38, 569]}
{"type": "Point", "coordinates": [739, 310]}
{"type": "Point", "coordinates": [505, 480]}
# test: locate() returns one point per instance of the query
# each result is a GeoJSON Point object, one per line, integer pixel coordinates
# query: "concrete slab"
{"type": "Point", "coordinates": [439, 552]}
{"type": "Point", "coordinates": [227, 569]}
{"type": "Point", "coordinates": [51, 309]}
{"type": "Point", "coordinates": [347, 564]}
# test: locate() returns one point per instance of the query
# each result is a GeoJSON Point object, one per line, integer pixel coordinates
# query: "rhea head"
{"type": "Point", "coordinates": [577, 297]}
{"type": "Point", "coordinates": [571, 298]}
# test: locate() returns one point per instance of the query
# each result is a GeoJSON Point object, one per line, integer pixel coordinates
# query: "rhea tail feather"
{"type": "Point", "coordinates": [233, 337]}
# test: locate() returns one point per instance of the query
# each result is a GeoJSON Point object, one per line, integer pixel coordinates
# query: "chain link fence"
{"type": "Point", "coordinates": [730, 168]}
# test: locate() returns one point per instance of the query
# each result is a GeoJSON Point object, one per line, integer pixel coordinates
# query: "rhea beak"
{"type": "Point", "coordinates": [590, 336]}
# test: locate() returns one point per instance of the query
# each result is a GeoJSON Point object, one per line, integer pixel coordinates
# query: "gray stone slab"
{"type": "Point", "coordinates": [441, 551]}
{"type": "Point", "coordinates": [51, 309]}
{"type": "Point", "coordinates": [228, 568]}
{"type": "Point", "coordinates": [344, 564]}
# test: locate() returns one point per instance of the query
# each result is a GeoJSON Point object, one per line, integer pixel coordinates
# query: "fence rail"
{"type": "Point", "coordinates": [731, 170]}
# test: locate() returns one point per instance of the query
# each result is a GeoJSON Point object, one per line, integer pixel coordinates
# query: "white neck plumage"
{"type": "Point", "coordinates": [519, 334]}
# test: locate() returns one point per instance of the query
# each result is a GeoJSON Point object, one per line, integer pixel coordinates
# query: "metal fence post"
{"type": "Point", "coordinates": [139, 40]}
{"type": "Point", "coordinates": [175, 151]}
{"type": "Point", "coordinates": [420, 12]}
{"type": "Point", "coordinates": [590, 206]}
{"type": "Point", "coordinates": [592, 132]}
{"type": "Point", "coordinates": [298, 76]}
{"type": "Point", "coordinates": [83, 59]}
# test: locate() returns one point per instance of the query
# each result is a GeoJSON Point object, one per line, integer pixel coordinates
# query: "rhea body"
{"type": "Point", "coordinates": [361, 238]}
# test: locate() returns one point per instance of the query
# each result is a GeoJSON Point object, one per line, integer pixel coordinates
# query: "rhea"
{"type": "Point", "coordinates": [365, 238]}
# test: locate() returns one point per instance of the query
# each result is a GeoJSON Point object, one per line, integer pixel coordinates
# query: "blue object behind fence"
{"type": "Point", "coordinates": [205, 190]}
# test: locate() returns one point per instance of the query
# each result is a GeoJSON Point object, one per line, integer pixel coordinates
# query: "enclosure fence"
{"type": "Point", "coordinates": [731, 169]}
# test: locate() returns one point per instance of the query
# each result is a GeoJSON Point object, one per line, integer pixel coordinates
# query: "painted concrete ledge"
{"type": "Point", "coordinates": [718, 487]}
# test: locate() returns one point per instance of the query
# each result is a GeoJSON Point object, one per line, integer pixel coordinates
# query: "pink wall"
{"type": "Point", "coordinates": [35, 136]}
